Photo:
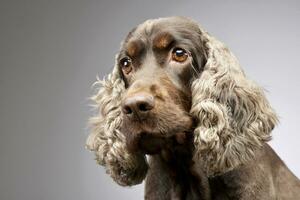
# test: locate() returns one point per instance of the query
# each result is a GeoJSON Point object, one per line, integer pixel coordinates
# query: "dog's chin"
{"type": "Point", "coordinates": [150, 144]}
{"type": "Point", "coordinates": [151, 136]}
{"type": "Point", "coordinates": [145, 142]}
{"type": "Point", "coordinates": [153, 143]}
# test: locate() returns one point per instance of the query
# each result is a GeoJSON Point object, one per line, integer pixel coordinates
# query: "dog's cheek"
{"type": "Point", "coordinates": [172, 120]}
{"type": "Point", "coordinates": [130, 137]}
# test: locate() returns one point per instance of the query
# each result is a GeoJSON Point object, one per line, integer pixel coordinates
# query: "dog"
{"type": "Point", "coordinates": [179, 96]}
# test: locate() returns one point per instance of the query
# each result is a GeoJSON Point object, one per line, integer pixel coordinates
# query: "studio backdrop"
{"type": "Point", "coordinates": [52, 51]}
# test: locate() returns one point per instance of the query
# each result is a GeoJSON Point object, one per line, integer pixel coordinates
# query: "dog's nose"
{"type": "Point", "coordinates": [139, 104]}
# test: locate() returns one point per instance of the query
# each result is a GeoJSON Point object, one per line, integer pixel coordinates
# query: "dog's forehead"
{"type": "Point", "coordinates": [161, 30]}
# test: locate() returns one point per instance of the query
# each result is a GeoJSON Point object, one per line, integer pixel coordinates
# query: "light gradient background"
{"type": "Point", "coordinates": [51, 52]}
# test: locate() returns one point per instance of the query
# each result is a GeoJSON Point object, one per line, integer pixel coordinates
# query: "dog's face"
{"type": "Point", "coordinates": [178, 79]}
{"type": "Point", "coordinates": [157, 62]}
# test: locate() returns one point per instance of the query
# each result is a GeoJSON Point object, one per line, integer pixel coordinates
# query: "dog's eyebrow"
{"type": "Point", "coordinates": [134, 48]}
{"type": "Point", "coordinates": [163, 40]}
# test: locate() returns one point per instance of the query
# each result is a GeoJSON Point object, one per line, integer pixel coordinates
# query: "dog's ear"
{"type": "Point", "coordinates": [234, 116]}
{"type": "Point", "coordinates": [105, 138]}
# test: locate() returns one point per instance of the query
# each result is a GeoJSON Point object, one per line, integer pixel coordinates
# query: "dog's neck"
{"type": "Point", "coordinates": [186, 180]}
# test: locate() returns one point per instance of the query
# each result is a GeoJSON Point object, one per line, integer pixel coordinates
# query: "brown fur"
{"type": "Point", "coordinates": [162, 40]}
{"type": "Point", "coordinates": [265, 177]}
{"type": "Point", "coordinates": [207, 130]}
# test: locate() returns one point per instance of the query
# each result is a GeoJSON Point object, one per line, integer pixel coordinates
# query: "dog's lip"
{"type": "Point", "coordinates": [154, 143]}
{"type": "Point", "coordinates": [151, 144]}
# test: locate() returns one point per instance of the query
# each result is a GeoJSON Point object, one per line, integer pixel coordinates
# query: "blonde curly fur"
{"type": "Point", "coordinates": [106, 140]}
{"type": "Point", "coordinates": [234, 118]}
{"type": "Point", "coordinates": [234, 115]}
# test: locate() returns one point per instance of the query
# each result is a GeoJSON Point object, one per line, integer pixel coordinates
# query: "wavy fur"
{"type": "Point", "coordinates": [107, 141]}
{"type": "Point", "coordinates": [234, 115]}
{"type": "Point", "coordinates": [234, 118]}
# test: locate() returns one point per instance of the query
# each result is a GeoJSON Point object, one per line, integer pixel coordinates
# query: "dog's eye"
{"type": "Point", "coordinates": [179, 55]}
{"type": "Point", "coordinates": [126, 65]}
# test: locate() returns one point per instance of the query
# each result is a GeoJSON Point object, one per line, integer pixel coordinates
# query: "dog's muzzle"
{"type": "Point", "coordinates": [138, 106]}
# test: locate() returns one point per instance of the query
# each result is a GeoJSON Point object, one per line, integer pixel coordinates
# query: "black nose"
{"type": "Point", "coordinates": [139, 104]}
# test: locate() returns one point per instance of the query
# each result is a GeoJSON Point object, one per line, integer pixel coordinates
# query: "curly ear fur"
{"type": "Point", "coordinates": [107, 141]}
{"type": "Point", "coordinates": [234, 116]}
{"type": "Point", "coordinates": [234, 119]}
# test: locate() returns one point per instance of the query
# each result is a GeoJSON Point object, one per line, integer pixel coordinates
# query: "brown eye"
{"type": "Point", "coordinates": [126, 65]}
{"type": "Point", "coordinates": [179, 55]}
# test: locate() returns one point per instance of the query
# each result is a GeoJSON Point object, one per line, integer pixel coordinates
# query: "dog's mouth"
{"type": "Point", "coordinates": [150, 144]}
{"type": "Point", "coordinates": [156, 133]}
{"type": "Point", "coordinates": [153, 143]}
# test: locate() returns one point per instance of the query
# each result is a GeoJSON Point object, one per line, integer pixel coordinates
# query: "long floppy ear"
{"type": "Point", "coordinates": [106, 140]}
{"type": "Point", "coordinates": [234, 116]}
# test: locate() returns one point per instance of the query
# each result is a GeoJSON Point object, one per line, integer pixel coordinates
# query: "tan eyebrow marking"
{"type": "Point", "coordinates": [163, 40]}
{"type": "Point", "coordinates": [134, 48]}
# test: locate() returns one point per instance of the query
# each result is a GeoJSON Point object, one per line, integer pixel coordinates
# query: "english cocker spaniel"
{"type": "Point", "coordinates": [180, 96]}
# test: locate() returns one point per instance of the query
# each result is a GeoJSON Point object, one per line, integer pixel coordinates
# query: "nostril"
{"type": "Point", "coordinates": [127, 110]}
{"type": "Point", "coordinates": [145, 106]}
{"type": "Point", "coordinates": [137, 104]}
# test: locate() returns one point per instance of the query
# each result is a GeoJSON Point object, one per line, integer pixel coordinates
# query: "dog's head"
{"type": "Point", "coordinates": [171, 78]}
{"type": "Point", "coordinates": [158, 62]}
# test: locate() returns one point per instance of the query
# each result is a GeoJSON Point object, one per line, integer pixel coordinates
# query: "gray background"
{"type": "Point", "coordinates": [51, 52]}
